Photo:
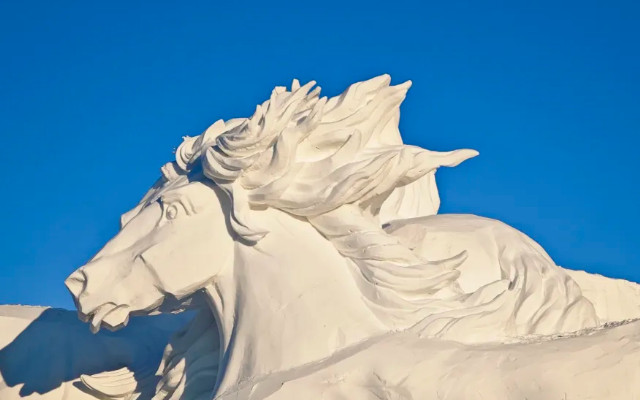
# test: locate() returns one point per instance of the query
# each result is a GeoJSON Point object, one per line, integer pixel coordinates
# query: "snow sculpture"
{"type": "Point", "coordinates": [307, 236]}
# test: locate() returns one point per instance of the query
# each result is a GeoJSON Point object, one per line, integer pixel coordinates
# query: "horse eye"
{"type": "Point", "coordinates": [171, 212]}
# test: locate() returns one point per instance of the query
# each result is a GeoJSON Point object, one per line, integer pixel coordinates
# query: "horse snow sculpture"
{"type": "Point", "coordinates": [310, 232]}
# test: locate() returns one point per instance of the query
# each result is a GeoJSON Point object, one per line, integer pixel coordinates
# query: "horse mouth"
{"type": "Point", "coordinates": [110, 315]}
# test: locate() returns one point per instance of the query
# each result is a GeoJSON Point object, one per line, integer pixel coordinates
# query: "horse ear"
{"type": "Point", "coordinates": [419, 196]}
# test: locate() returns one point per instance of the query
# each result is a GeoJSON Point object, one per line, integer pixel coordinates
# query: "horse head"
{"type": "Point", "coordinates": [168, 247]}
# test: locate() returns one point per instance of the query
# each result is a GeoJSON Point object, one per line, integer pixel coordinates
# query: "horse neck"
{"type": "Point", "coordinates": [288, 301]}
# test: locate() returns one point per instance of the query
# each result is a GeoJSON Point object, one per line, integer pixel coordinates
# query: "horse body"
{"type": "Point", "coordinates": [273, 349]}
{"type": "Point", "coordinates": [267, 335]}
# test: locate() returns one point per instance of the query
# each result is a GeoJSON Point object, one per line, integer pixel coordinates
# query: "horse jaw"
{"type": "Point", "coordinates": [282, 307]}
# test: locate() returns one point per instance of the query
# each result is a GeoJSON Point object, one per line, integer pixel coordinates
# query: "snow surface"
{"type": "Point", "coordinates": [43, 351]}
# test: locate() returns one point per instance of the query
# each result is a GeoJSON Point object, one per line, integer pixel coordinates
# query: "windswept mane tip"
{"type": "Point", "coordinates": [406, 84]}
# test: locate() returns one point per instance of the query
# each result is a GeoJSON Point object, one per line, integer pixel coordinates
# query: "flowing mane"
{"type": "Point", "coordinates": [307, 155]}
{"type": "Point", "coordinates": [333, 162]}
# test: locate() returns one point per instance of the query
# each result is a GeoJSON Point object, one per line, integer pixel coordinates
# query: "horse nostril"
{"type": "Point", "coordinates": [76, 282]}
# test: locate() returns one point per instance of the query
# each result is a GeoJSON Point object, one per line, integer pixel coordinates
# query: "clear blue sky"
{"type": "Point", "coordinates": [94, 96]}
